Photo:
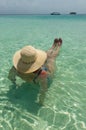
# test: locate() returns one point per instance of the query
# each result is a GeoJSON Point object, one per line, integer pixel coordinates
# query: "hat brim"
{"type": "Point", "coordinates": [29, 68]}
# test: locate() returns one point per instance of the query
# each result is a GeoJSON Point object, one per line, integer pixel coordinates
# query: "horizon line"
{"type": "Point", "coordinates": [41, 13]}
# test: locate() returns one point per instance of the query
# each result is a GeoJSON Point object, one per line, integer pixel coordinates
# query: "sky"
{"type": "Point", "coordinates": [41, 6]}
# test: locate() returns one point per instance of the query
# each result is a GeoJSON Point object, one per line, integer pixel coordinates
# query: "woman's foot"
{"type": "Point", "coordinates": [57, 42]}
{"type": "Point", "coordinates": [60, 42]}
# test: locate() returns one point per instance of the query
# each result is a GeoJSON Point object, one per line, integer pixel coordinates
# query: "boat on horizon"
{"type": "Point", "coordinates": [55, 13]}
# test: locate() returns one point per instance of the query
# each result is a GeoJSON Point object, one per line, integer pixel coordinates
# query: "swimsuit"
{"type": "Point", "coordinates": [42, 71]}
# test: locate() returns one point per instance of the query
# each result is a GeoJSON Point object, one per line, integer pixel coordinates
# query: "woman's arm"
{"type": "Point", "coordinates": [12, 75]}
{"type": "Point", "coordinates": [43, 86]}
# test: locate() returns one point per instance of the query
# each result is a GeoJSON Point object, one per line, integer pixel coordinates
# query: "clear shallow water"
{"type": "Point", "coordinates": [65, 103]}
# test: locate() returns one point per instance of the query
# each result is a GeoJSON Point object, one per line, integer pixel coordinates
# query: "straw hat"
{"type": "Point", "coordinates": [29, 59]}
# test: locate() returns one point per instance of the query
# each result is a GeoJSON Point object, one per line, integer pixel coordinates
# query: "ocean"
{"type": "Point", "coordinates": [65, 102]}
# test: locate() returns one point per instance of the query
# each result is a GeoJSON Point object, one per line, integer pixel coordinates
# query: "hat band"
{"type": "Point", "coordinates": [28, 62]}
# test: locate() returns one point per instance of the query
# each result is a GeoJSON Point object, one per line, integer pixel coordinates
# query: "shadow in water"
{"type": "Point", "coordinates": [24, 96]}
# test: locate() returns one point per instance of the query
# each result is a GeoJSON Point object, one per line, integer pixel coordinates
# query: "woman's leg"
{"type": "Point", "coordinates": [52, 54]}
{"type": "Point", "coordinates": [49, 52]}
{"type": "Point", "coordinates": [54, 50]}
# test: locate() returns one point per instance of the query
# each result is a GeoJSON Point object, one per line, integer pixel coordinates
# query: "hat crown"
{"type": "Point", "coordinates": [28, 59]}
{"type": "Point", "coordinates": [28, 54]}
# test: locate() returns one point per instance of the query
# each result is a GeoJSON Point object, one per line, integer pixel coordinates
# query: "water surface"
{"type": "Point", "coordinates": [65, 103]}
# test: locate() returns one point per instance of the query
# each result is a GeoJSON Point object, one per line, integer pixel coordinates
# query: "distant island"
{"type": "Point", "coordinates": [55, 13]}
{"type": "Point", "coordinates": [73, 13]}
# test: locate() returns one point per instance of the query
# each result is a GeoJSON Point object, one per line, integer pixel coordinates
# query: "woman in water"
{"type": "Point", "coordinates": [37, 66]}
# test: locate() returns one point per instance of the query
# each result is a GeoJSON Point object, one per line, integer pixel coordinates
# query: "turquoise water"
{"type": "Point", "coordinates": [65, 103]}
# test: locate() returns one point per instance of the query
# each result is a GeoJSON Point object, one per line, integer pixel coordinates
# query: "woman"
{"type": "Point", "coordinates": [37, 66]}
